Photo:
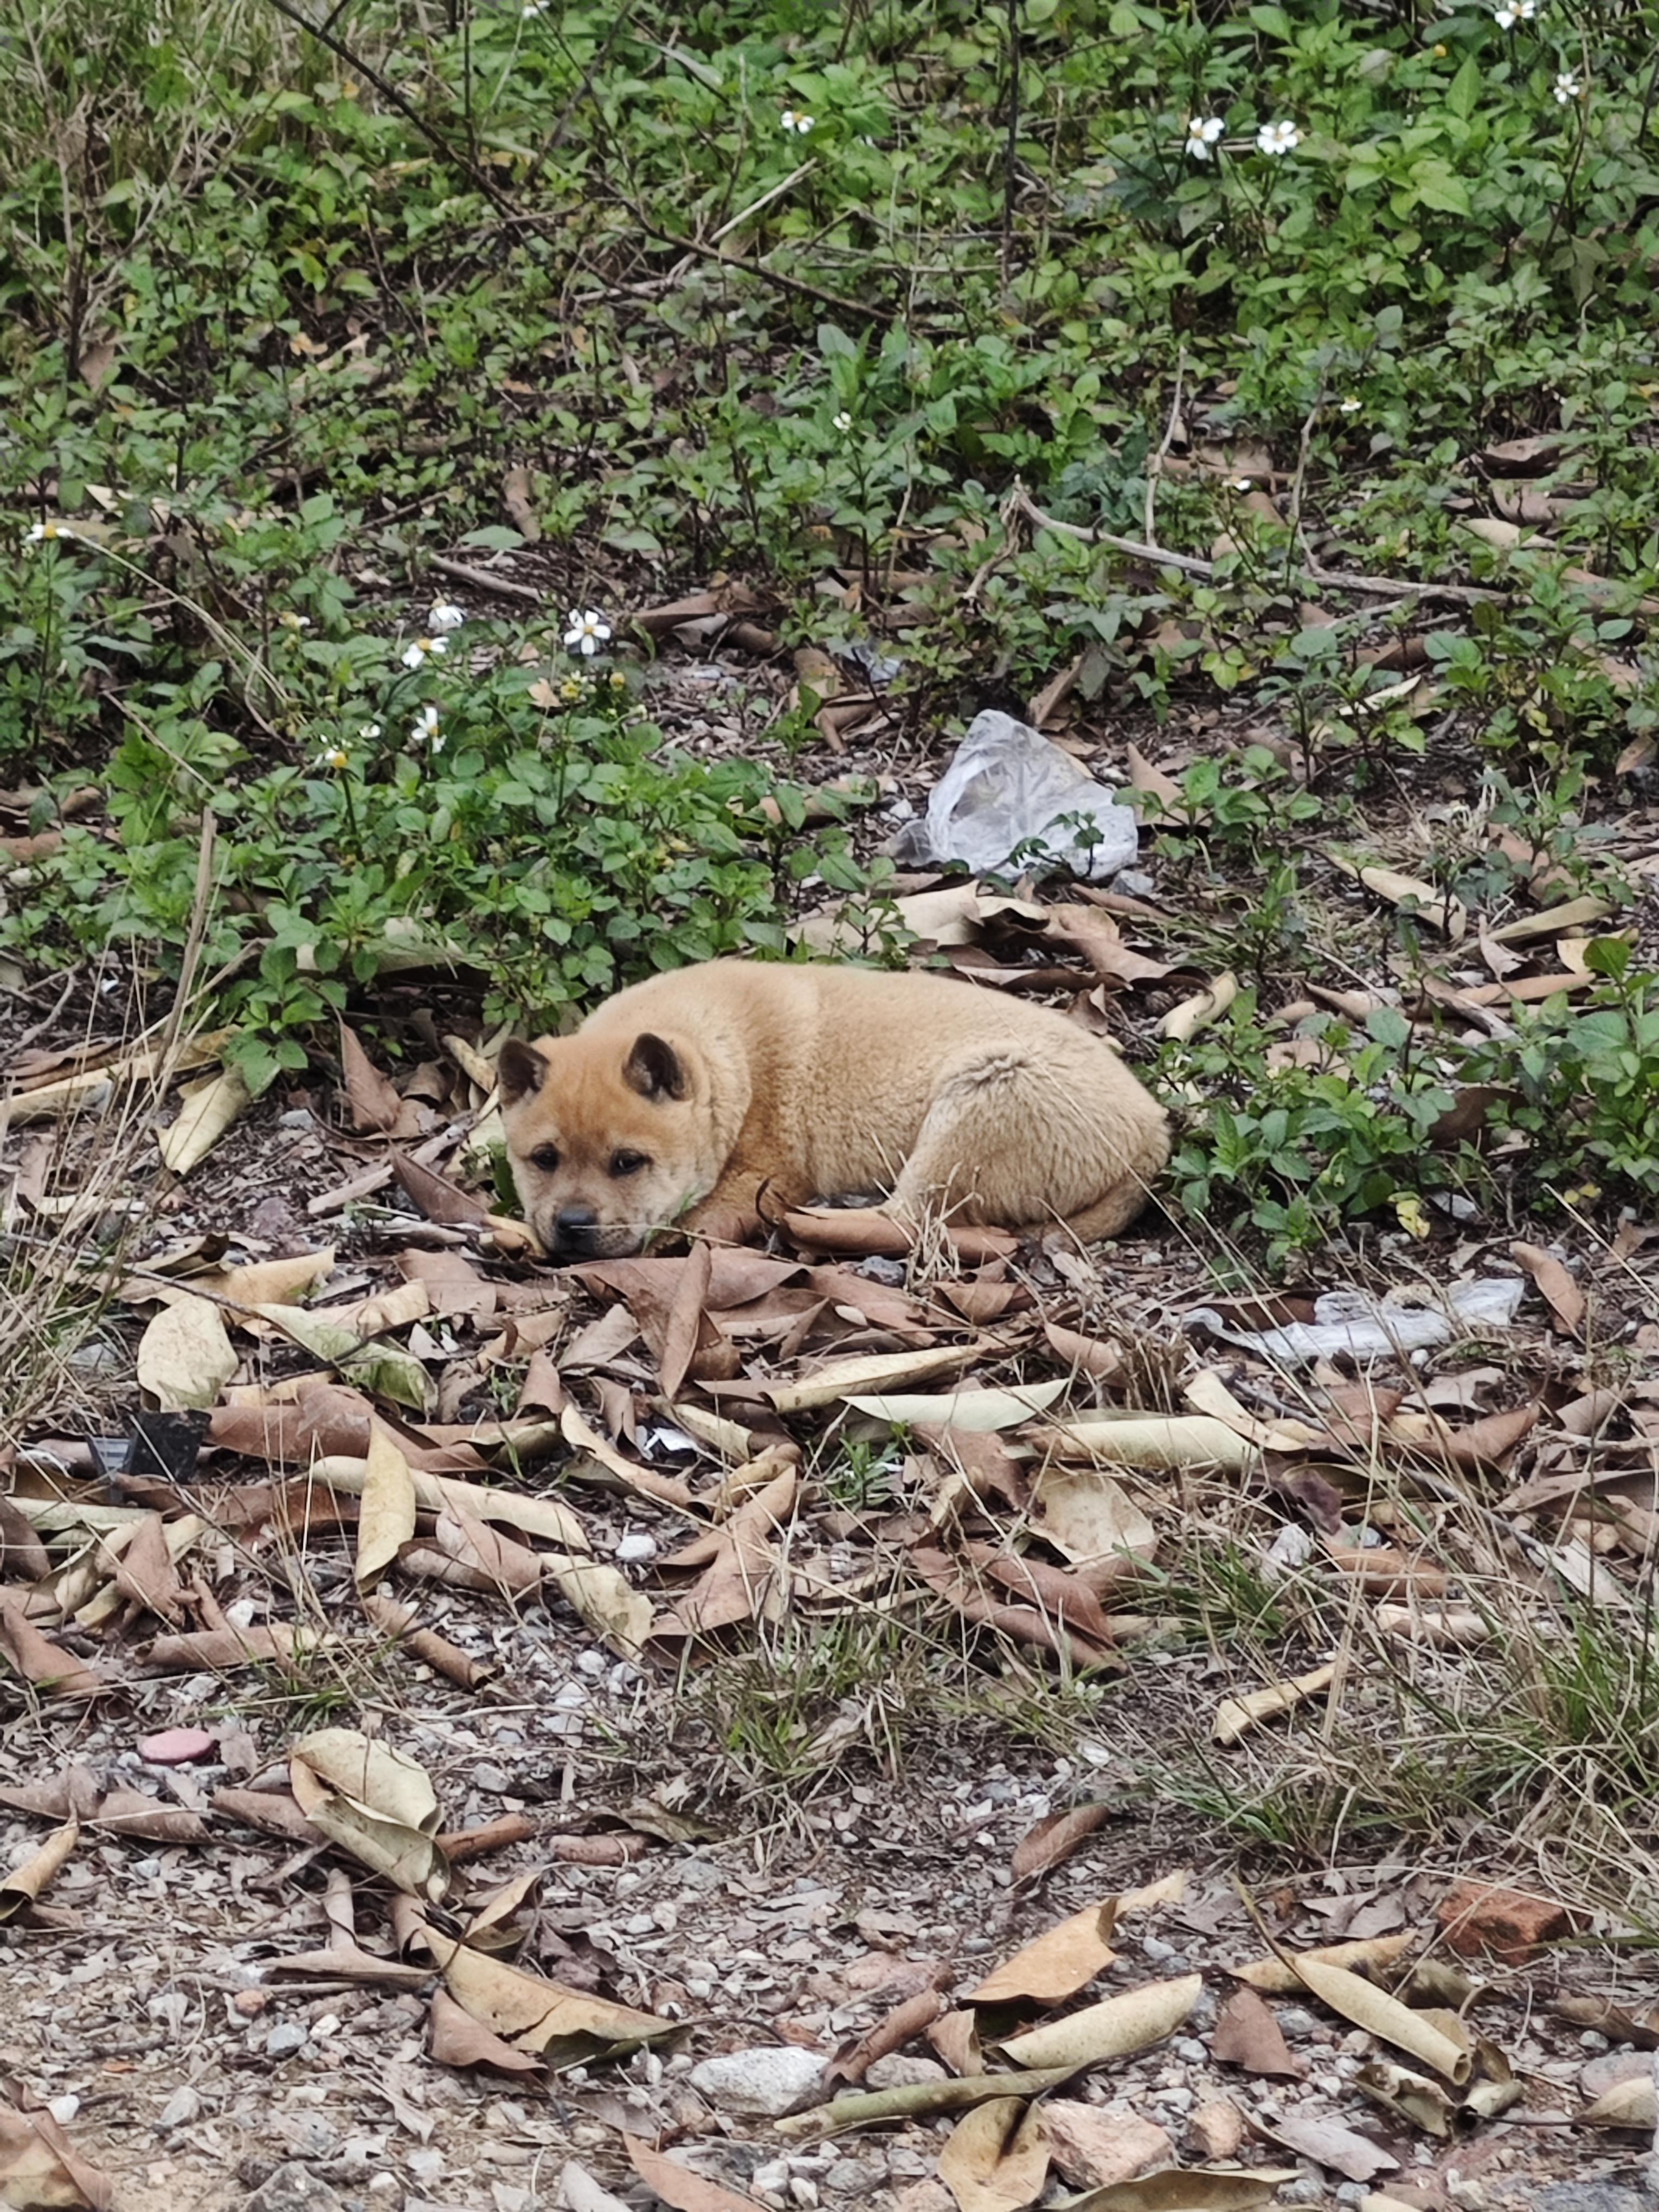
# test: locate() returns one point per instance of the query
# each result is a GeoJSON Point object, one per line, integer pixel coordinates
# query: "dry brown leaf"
{"type": "Point", "coordinates": [1385, 2017]}
{"type": "Point", "coordinates": [567, 2026]}
{"type": "Point", "coordinates": [1095, 1355]}
{"type": "Point", "coordinates": [1326, 2141]}
{"type": "Point", "coordinates": [877, 1372]}
{"type": "Point", "coordinates": [1054, 1839]}
{"type": "Point", "coordinates": [130, 1813]}
{"type": "Point", "coordinates": [31, 1875]}
{"type": "Point", "coordinates": [374, 1802]}
{"type": "Point", "coordinates": [1247, 2034]}
{"type": "Point", "coordinates": [1277, 1976]}
{"type": "Point", "coordinates": [1632, 2103]}
{"type": "Point", "coordinates": [43, 1664]}
{"type": "Point", "coordinates": [373, 1100]}
{"type": "Point", "coordinates": [996, 2157]}
{"type": "Point", "coordinates": [1236, 1716]}
{"type": "Point", "coordinates": [1440, 909]}
{"type": "Point", "coordinates": [1111, 2029]}
{"type": "Point", "coordinates": [1182, 1023]}
{"type": "Point", "coordinates": [458, 2039]}
{"type": "Point", "coordinates": [208, 1110]}
{"type": "Point", "coordinates": [185, 1356]}
{"type": "Point", "coordinates": [1566, 1299]}
{"type": "Point", "coordinates": [1189, 2189]}
{"type": "Point", "coordinates": [386, 1520]}
{"type": "Point", "coordinates": [1057, 1963]}
{"type": "Point", "coordinates": [678, 2186]}
{"type": "Point", "coordinates": [39, 2170]}
{"type": "Point", "coordinates": [912, 2018]}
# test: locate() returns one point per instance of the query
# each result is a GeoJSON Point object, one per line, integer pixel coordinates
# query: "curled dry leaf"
{"type": "Point", "coordinates": [1385, 2017]}
{"type": "Point", "coordinates": [207, 1111]}
{"type": "Point", "coordinates": [996, 2157]}
{"type": "Point", "coordinates": [913, 2017]}
{"type": "Point", "coordinates": [1150, 1440]}
{"type": "Point", "coordinates": [1111, 2029]}
{"type": "Point", "coordinates": [1056, 1965]}
{"type": "Point", "coordinates": [1566, 1299]}
{"type": "Point", "coordinates": [185, 1356]}
{"type": "Point", "coordinates": [374, 1101]}
{"type": "Point", "coordinates": [879, 1372]}
{"type": "Point", "coordinates": [1182, 1023]}
{"type": "Point", "coordinates": [51, 1670]}
{"type": "Point", "coordinates": [1278, 1977]}
{"type": "Point", "coordinates": [1632, 2104]}
{"type": "Point", "coordinates": [1189, 2189]}
{"type": "Point", "coordinates": [376, 1803]}
{"type": "Point", "coordinates": [981, 1412]}
{"type": "Point", "coordinates": [913, 2099]}
{"type": "Point", "coordinates": [26, 1880]}
{"type": "Point", "coordinates": [386, 1520]}
{"type": "Point", "coordinates": [1439, 908]}
{"type": "Point", "coordinates": [1236, 1716]}
{"type": "Point", "coordinates": [567, 2026]}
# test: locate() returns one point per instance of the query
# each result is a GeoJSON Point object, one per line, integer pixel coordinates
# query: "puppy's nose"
{"type": "Point", "coordinates": [573, 1229]}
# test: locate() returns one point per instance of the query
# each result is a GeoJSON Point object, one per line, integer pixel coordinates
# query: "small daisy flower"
{"type": "Point", "coordinates": [419, 650]}
{"type": "Point", "coordinates": [1202, 132]}
{"type": "Point", "coordinates": [843, 422]}
{"type": "Point", "coordinates": [46, 533]}
{"type": "Point", "coordinates": [426, 731]}
{"type": "Point", "coordinates": [588, 632]}
{"type": "Point", "coordinates": [1350, 405]}
{"type": "Point", "coordinates": [333, 757]}
{"type": "Point", "coordinates": [793, 120]}
{"type": "Point", "coordinates": [368, 734]}
{"type": "Point", "coordinates": [1515, 11]}
{"type": "Point", "coordinates": [444, 613]}
{"type": "Point", "coordinates": [1567, 88]}
{"type": "Point", "coordinates": [293, 622]}
{"type": "Point", "coordinates": [1276, 138]}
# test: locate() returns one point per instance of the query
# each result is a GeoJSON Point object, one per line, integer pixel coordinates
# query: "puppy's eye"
{"type": "Point", "coordinates": [628, 1163]}
{"type": "Point", "coordinates": [546, 1157]}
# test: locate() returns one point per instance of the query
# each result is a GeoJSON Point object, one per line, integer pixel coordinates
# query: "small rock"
{"type": "Point", "coordinates": [306, 2135]}
{"type": "Point", "coordinates": [1155, 1948]}
{"type": "Point", "coordinates": [180, 2108]}
{"type": "Point", "coordinates": [803, 2191]}
{"type": "Point", "coordinates": [176, 1747]}
{"type": "Point", "coordinates": [63, 2109]}
{"type": "Point", "coordinates": [854, 2177]}
{"type": "Point", "coordinates": [635, 1550]}
{"type": "Point", "coordinates": [1093, 2148]}
{"type": "Point", "coordinates": [1592, 2197]}
{"type": "Point", "coordinates": [486, 1775]}
{"type": "Point", "coordinates": [1217, 2129]}
{"type": "Point", "coordinates": [285, 2038]}
{"type": "Point", "coordinates": [293, 2188]}
{"type": "Point", "coordinates": [771, 2179]}
{"type": "Point", "coordinates": [1601, 2075]}
{"type": "Point", "coordinates": [899, 2071]}
{"type": "Point", "coordinates": [1509, 1925]}
{"type": "Point", "coordinates": [766, 2081]}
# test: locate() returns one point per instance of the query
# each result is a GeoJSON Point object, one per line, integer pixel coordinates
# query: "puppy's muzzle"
{"type": "Point", "coordinates": [576, 1233]}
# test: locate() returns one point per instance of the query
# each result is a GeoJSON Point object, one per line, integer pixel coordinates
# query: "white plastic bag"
{"type": "Point", "coordinates": [1007, 786]}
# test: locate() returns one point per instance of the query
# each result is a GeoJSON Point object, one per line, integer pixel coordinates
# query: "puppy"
{"type": "Point", "coordinates": [691, 1100]}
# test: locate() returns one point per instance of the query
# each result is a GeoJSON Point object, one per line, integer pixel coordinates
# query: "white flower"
{"type": "Point", "coordinates": [368, 734]}
{"type": "Point", "coordinates": [1243, 484]}
{"type": "Point", "coordinates": [1351, 405]}
{"type": "Point", "coordinates": [43, 533]}
{"type": "Point", "coordinates": [332, 756]}
{"type": "Point", "coordinates": [534, 8]}
{"type": "Point", "coordinates": [1567, 88]}
{"type": "Point", "coordinates": [1202, 132]}
{"type": "Point", "coordinates": [295, 621]}
{"type": "Point", "coordinates": [1278, 138]}
{"type": "Point", "coordinates": [843, 422]}
{"type": "Point", "coordinates": [420, 649]}
{"type": "Point", "coordinates": [588, 632]}
{"type": "Point", "coordinates": [444, 614]}
{"type": "Point", "coordinates": [792, 119]}
{"type": "Point", "coordinates": [1515, 11]}
{"type": "Point", "coordinates": [426, 731]}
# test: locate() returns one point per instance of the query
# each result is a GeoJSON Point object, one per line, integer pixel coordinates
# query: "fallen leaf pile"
{"type": "Point", "coordinates": [344, 1453]}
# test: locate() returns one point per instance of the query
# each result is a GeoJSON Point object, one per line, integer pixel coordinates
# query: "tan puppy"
{"type": "Point", "coordinates": [691, 1100]}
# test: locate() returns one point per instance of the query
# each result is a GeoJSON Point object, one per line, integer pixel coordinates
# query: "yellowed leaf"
{"type": "Point", "coordinates": [386, 1520]}
{"type": "Point", "coordinates": [185, 1356]}
{"type": "Point", "coordinates": [1111, 2029]}
{"type": "Point", "coordinates": [207, 1111]}
{"type": "Point", "coordinates": [376, 1803]}
{"type": "Point", "coordinates": [996, 2158]}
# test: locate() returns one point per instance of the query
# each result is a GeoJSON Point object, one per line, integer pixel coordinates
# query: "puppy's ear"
{"type": "Point", "coordinates": [655, 1069]}
{"type": "Point", "coordinates": [520, 1069]}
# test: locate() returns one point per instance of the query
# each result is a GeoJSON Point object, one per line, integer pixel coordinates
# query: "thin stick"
{"type": "Point", "coordinates": [1393, 587]}
{"type": "Point", "coordinates": [1155, 466]}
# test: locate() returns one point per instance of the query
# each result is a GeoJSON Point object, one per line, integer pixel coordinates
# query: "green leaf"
{"type": "Point", "coordinates": [1464, 90]}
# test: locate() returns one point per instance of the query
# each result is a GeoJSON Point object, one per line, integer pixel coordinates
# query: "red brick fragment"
{"type": "Point", "coordinates": [1482, 1921]}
